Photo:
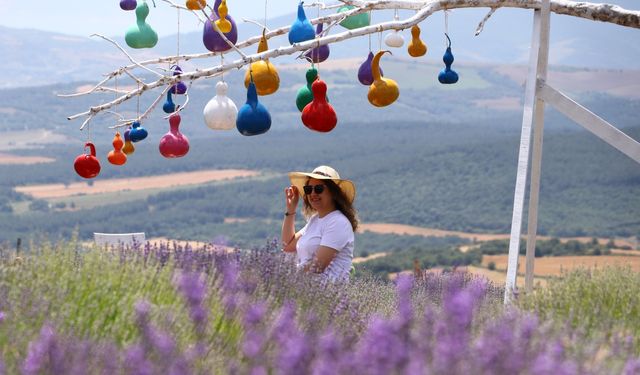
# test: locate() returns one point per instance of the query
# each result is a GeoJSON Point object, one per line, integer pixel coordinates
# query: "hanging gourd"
{"type": "Point", "coordinates": [174, 144]}
{"type": "Point", "coordinates": [447, 75]}
{"type": "Point", "coordinates": [169, 106]}
{"type": "Point", "coordinates": [416, 47]}
{"type": "Point", "coordinates": [141, 35]}
{"type": "Point", "coordinates": [265, 75]}
{"type": "Point", "coordinates": [356, 21]}
{"type": "Point", "coordinates": [221, 112]}
{"type": "Point", "coordinates": [137, 132]}
{"type": "Point", "coordinates": [394, 39]}
{"type": "Point", "coordinates": [319, 115]}
{"type": "Point", "coordinates": [116, 156]}
{"type": "Point", "coordinates": [305, 95]}
{"type": "Point", "coordinates": [196, 4]}
{"type": "Point", "coordinates": [318, 54]}
{"type": "Point", "coordinates": [253, 117]}
{"type": "Point", "coordinates": [179, 88]}
{"type": "Point", "coordinates": [365, 76]}
{"type": "Point", "coordinates": [383, 91]}
{"type": "Point", "coordinates": [87, 166]}
{"type": "Point", "coordinates": [128, 145]}
{"type": "Point", "coordinates": [223, 23]}
{"type": "Point", "coordinates": [301, 29]}
{"type": "Point", "coordinates": [128, 4]}
{"type": "Point", "coordinates": [210, 37]}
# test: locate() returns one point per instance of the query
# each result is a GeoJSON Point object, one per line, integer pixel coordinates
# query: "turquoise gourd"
{"type": "Point", "coordinates": [447, 75]}
{"type": "Point", "coordinates": [141, 35]}
{"type": "Point", "coordinates": [253, 117]}
{"type": "Point", "coordinates": [354, 22]}
{"type": "Point", "coordinates": [301, 29]}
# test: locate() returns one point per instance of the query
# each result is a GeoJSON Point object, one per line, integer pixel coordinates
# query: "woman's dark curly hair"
{"type": "Point", "coordinates": [340, 200]}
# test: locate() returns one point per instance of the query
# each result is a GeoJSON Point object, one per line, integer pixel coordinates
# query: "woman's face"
{"type": "Point", "coordinates": [320, 202]}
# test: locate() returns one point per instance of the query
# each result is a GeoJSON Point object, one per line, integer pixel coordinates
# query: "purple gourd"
{"type": "Point", "coordinates": [210, 37]}
{"type": "Point", "coordinates": [179, 88]}
{"type": "Point", "coordinates": [174, 144]}
{"type": "Point", "coordinates": [128, 4]}
{"type": "Point", "coordinates": [365, 75]}
{"type": "Point", "coordinates": [318, 54]}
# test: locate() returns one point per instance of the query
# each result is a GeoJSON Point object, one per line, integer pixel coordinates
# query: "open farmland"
{"type": "Point", "coordinates": [23, 160]}
{"type": "Point", "coordinates": [49, 191]}
{"type": "Point", "coordinates": [402, 229]}
{"type": "Point", "coordinates": [554, 266]}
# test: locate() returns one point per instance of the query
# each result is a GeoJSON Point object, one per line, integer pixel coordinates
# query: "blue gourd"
{"type": "Point", "coordinates": [137, 132]}
{"type": "Point", "coordinates": [169, 106]}
{"type": "Point", "coordinates": [301, 30]}
{"type": "Point", "coordinates": [253, 117]}
{"type": "Point", "coordinates": [447, 75]}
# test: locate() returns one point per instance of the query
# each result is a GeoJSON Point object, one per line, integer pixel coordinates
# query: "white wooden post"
{"type": "Point", "coordinates": [536, 158]}
{"type": "Point", "coordinates": [539, 49]}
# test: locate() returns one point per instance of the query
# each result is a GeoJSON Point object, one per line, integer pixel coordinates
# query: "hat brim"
{"type": "Point", "coordinates": [299, 179]}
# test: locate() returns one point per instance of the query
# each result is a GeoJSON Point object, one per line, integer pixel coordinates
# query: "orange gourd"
{"type": "Point", "coordinates": [416, 47]}
{"type": "Point", "coordinates": [265, 75]}
{"type": "Point", "coordinates": [223, 23]}
{"type": "Point", "coordinates": [383, 91]}
{"type": "Point", "coordinates": [196, 4]}
{"type": "Point", "coordinates": [116, 156]}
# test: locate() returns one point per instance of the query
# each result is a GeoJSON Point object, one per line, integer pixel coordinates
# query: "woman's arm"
{"type": "Point", "coordinates": [288, 235]}
{"type": "Point", "coordinates": [324, 256]}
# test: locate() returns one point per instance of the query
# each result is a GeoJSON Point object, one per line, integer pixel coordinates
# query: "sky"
{"type": "Point", "coordinates": [85, 17]}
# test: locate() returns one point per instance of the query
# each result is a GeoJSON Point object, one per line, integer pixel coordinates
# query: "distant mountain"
{"type": "Point", "coordinates": [36, 58]}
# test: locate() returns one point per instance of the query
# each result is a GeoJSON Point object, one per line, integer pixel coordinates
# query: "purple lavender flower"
{"type": "Point", "coordinates": [2, 317]}
{"type": "Point", "coordinates": [632, 367]}
{"type": "Point", "coordinates": [136, 363]}
{"type": "Point", "coordinates": [193, 288]}
{"type": "Point", "coordinates": [44, 353]}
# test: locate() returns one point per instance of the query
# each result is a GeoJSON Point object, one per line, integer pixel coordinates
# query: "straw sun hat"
{"type": "Point", "coordinates": [323, 172]}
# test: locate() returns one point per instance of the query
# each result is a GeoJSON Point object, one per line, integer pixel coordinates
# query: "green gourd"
{"type": "Point", "coordinates": [354, 22]}
{"type": "Point", "coordinates": [141, 35]}
{"type": "Point", "coordinates": [305, 95]}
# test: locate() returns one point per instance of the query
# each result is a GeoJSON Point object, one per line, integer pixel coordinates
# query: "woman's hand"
{"type": "Point", "coordinates": [292, 195]}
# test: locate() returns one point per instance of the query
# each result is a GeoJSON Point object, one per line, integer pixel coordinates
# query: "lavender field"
{"type": "Point", "coordinates": [65, 309]}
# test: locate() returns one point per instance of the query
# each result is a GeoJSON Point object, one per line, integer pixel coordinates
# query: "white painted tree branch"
{"type": "Point", "coordinates": [600, 12]}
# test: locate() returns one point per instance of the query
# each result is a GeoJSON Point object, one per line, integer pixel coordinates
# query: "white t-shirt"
{"type": "Point", "coordinates": [333, 230]}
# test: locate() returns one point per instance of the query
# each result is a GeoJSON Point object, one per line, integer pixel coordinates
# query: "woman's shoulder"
{"type": "Point", "coordinates": [338, 216]}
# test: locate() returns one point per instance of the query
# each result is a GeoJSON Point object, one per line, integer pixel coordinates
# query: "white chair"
{"type": "Point", "coordinates": [119, 239]}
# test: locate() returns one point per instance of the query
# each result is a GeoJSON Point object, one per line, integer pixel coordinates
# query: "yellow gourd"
{"type": "Point", "coordinates": [383, 91]}
{"type": "Point", "coordinates": [416, 47]}
{"type": "Point", "coordinates": [223, 23]}
{"type": "Point", "coordinates": [265, 75]}
{"type": "Point", "coordinates": [196, 4]}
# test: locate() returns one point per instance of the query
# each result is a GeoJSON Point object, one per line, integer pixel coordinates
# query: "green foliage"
{"type": "Point", "coordinates": [599, 301]}
{"type": "Point", "coordinates": [552, 247]}
{"type": "Point", "coordinates": [427, 258]}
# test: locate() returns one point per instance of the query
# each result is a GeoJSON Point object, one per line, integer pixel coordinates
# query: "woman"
{"type": "Point", "coordinates": [325, 244]}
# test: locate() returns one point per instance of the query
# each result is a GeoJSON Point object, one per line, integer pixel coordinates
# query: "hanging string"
{"type": "Point", "coordinates": [318, 45]}
{"type": "Point", "coordinates": [138, 106]}
{"type": "Point", "coordinates": [222, 64]}
{"type": "Point", "coordinates": [370, 34]}
{"type": "Point", "coordinates": [446, 25]}
{"type": "Point", "coordinates": [178, 47]}
{"type": "Point", "coordinates": [380, 41]}
{"type": "Point", "coordinates": [265, 13]}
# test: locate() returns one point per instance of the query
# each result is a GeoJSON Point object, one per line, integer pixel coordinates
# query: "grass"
{"type": "Point", "coordinates": [601, 301]}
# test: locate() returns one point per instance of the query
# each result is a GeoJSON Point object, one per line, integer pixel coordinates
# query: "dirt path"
{"type": "Point", "coordinates": [138, 183]}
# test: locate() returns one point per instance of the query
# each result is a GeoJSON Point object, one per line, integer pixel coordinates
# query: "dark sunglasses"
{"type": "Point", "coordinates": [318, 189]}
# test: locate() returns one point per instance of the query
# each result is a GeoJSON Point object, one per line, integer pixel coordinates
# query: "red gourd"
{"type": "Point", "coordinates": [319, 115]}
{"type": "Point", "coordinates": [174, 144]}
{"type": "Point", "coordinates": [87, 166]}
